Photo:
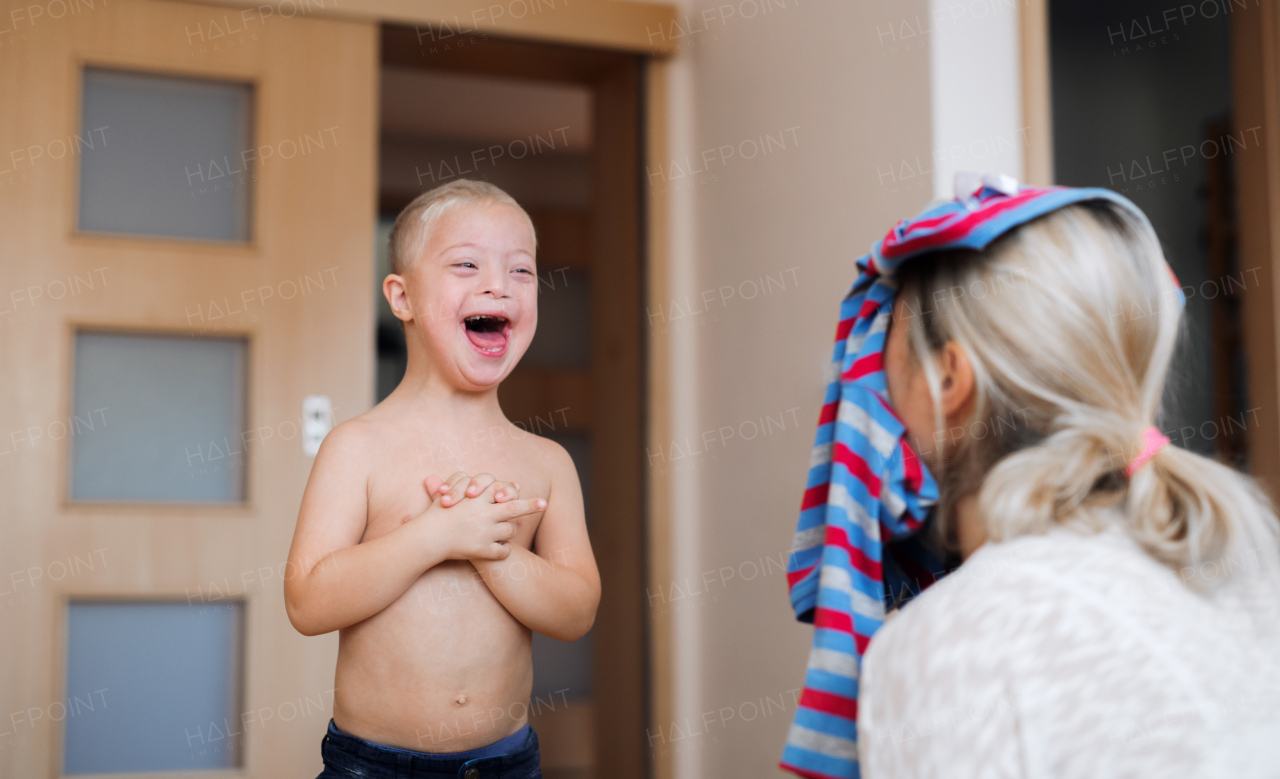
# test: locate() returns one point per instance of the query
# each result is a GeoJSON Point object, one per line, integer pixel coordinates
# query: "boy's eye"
{"type": "Point", "coordinates": [464, 265]}
{"type": "Point", "coordinates": [524, 270]}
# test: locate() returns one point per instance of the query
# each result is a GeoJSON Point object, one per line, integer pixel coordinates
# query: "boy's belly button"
{"type": "Point", "coordinates": [461, 700]}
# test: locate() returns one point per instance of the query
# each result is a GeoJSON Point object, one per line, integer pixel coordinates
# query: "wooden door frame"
{"type": "Point", "coordinates": [1037, 97]}
{"type": "Point", "coordinates": [608, 25]}
{"type": "Point", "coordinates": [1255, 79]}
{"type": "Point", "coordinates": [658, 383]}
{"type": "Point", "coordinates": [618, 389]}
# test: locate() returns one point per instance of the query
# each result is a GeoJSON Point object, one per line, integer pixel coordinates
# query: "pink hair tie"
{"type": "Point", "coordinates": [1152, 442]}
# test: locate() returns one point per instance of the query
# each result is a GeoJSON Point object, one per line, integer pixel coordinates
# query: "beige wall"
{"type": "Point", "coordinates": [850, 96]}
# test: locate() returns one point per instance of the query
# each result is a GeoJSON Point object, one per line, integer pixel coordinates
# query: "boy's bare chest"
{"type": "Point", "coordinates": [397, 483]}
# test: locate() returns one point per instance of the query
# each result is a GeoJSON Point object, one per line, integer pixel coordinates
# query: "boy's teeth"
{"type": "Point", "coordinates": [485, 320]}
{"type": "Point", "coordinates": [486, 332]}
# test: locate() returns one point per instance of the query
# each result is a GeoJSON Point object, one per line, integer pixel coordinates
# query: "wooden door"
{"type": "Point", "coordinates": [291, 295]}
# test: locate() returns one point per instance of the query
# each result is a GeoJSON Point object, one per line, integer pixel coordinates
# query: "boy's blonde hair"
{"type": "Point", "coordinates": [413, 226]}
{"type": "Point", "coordinates": [1070, 322]}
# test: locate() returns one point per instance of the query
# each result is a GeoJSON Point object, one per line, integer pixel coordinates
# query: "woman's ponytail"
{"type": "Point", "coordinates": [1200, 517]}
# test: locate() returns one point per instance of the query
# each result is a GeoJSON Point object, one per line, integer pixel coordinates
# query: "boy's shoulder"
{"type": "Point", "coordinates": [356, 437]}
{"type": "Point", "coordinates": [543, 454]}
{"type": "Point", "coordinates": [552, 451]}
{"type": "Point", "coordinates": [536, 442]}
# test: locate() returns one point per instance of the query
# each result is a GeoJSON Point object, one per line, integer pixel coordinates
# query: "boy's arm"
{"type": "Point", "coordinates": [555, 588]}
{"type": "Point", "coordinates": [332, 580]}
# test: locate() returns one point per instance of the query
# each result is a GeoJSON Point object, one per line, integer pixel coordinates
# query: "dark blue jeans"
{"type": "Point", "coordinates": [348, 757]}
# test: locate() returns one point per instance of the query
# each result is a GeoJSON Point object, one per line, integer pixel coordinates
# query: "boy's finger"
{"type": "Point", "coordinates": [500, 491]}
{"type": "Point", "coordinates": [455, 490]}
{"type": "Point", "coordinates": [452, 482]}
{"type": "Point", "coordinates": [479, 483]}
{"type": "Point", "coordinates": [520, 508]}
{"type": "Point", "coordinates": [506, 531]}
{"type": "Point", "coordinates": [496, 550]}
{"type": "Point", "coordinates": [507, 491]}
{"type": "Point", "coordinates": [433, 484]}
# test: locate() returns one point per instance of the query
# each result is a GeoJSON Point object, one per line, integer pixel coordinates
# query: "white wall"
{"type": "Point", "coordinates": [976, 89]}
{"type": "Point", "coordinates": [845, 90]}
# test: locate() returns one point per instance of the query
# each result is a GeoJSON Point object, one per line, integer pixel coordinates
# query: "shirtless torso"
{"type": "Point", "coordinates": [445, 667]}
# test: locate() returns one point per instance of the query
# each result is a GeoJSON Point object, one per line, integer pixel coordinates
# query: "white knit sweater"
{"type": "Point", "coordinates": [1066, 656]}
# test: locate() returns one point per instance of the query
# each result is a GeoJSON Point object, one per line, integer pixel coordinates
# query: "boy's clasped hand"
{"type": "Point", "coordinates": [483, 514]}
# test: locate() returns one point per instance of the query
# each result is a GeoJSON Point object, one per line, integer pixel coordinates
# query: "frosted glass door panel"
{"type": "Point", "coordinates": [158, 418]}
{"type": "Point", "coordinates": [166, 156]}
{"type": "Point", "coordinates": [152, 686]}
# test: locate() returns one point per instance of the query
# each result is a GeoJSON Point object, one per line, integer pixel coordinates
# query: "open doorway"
{"type": "Point", "coordinates": [1142, 104]}
{"type": "Point", "coordinates": [558, 129]}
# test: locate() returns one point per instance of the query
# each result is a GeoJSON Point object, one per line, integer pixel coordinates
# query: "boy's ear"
{"type": "Point", "coordinates": [397, 295]}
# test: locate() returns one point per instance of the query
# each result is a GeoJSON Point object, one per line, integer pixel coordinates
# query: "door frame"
{"type": "Point", "coordinates": [1255, 85]}
{"type": "Point", "coordinates": [609, 25]}
{"type": "Point", "coordinates": [619, 406]}
{"type": "Point", "coordinates": [1037, 97]}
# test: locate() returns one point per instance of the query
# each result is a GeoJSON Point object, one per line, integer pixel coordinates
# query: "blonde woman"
{"type": "Point", "coordinates": [1116, 611]}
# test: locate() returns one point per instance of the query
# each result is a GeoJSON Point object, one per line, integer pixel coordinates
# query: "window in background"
{"type": "Point", "coordinates": [165, 156]}
{"type": "Point", "coordinates": [158, 419]}
{"type": "Point", "coordinates": [152, 686]}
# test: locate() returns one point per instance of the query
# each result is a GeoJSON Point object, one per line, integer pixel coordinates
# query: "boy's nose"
{"type": "Point", "coordinates": [494, 284]}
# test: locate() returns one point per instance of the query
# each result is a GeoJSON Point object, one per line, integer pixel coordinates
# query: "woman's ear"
{"type": "Point", "coordinates": [397, 295]}
{"type": "Point", "coordinates": [956, 382]}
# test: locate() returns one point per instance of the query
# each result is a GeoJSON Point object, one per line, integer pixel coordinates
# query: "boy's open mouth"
{"type": "Point", "coordinates": [488, 333]}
